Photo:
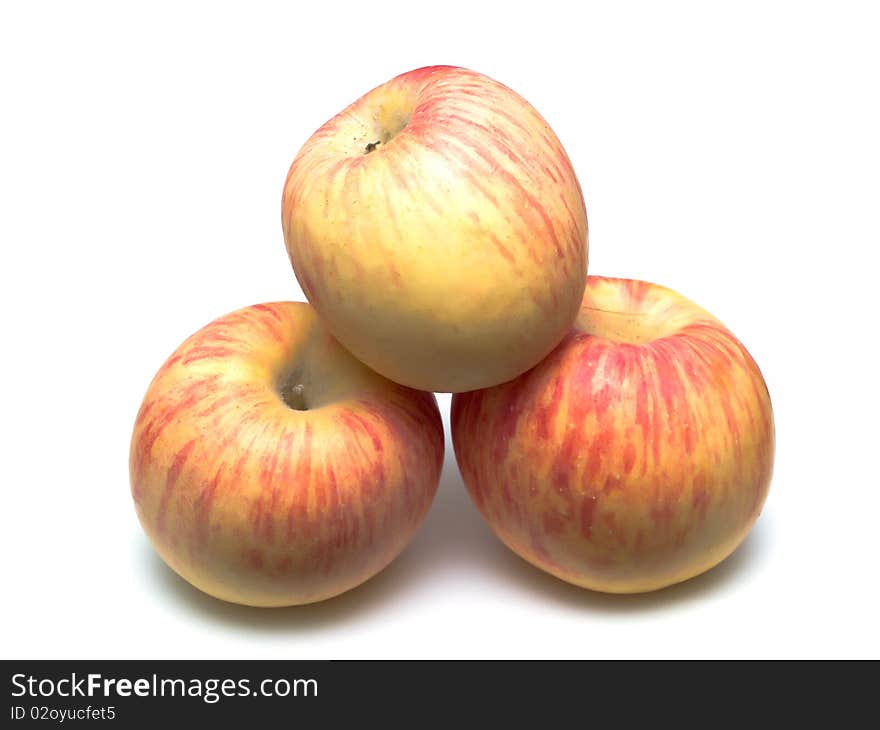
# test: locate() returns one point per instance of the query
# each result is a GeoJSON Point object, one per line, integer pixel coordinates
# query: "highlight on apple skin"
{"type": "Point", "coordinates": [637, 455]}
{"type": "Point", "coordinates": [271, 468]}
{"type": "Point", "coordinates": [437, 226]}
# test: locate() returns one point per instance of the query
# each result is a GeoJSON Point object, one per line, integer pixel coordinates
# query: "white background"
{"type": "Point", "coordinates": [729, 151]}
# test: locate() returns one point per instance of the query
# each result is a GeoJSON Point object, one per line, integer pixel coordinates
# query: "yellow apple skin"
{"type": "Point", "coordinates": [260, 503]}
{"type": "Point", "coordinates": [637, 455]}
{"type": "Point", "coordinates": [438, 227]}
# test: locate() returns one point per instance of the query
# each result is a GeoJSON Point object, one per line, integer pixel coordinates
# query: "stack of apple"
{"type": "Point", "coordinates": [610, 431]}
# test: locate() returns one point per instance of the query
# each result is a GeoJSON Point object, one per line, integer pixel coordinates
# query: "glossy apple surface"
{"type": "Point", "coordinates": [271, 468]}
{"type": "Point", "coordinates": [438, 227]}
{"type": "Point", "coordinates": [637, 455]}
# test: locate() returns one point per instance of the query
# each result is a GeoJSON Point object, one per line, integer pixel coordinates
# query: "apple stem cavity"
{"type": "Point", "coordinates": [625, 326]}
{"type": "Point", "coordinates": [294, 396]}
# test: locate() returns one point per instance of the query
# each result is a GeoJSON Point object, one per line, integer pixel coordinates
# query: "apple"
{"type": "Point", "coordinates": [636, 456]}
{"type": "Point", "coordinates": [437, 226]}
{"type": "Point", "coordinates": [271, 468]}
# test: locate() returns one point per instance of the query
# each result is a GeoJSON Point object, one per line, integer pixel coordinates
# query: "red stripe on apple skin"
{"type": "Point", "coordinates": [447, 145]}
{"type": "Point", "coordinates": [515, 394]}
{"type": "Point", "coordinates": [496, 136]}
{"type": "Point", "coordinates": [629, 457]}
{"type": "Point", "coordinates": [164, 416]}
{"type": "Point", "coordinates": [368, 466]}
{"type": "Point", "coordinates": [335, 506]}
{"type": "Point", "coordinates": [236, 394]}
{"type": "Point", "coordinates": [546, 413]}
{"type": "Point", "coordinates": [602, 445]}
{"type": "Point", "coordinates": [144, 412]}
{"type": "Point", "coordinates": [538, 549]}
{"type": "Point", "coordinates": [297, 513]}
{"type": "Point", "coordinates": [263, 510]}
{"type": "Point", "coordinates": [237, 473]}
{"type": "Point", "coordinates": [502, 249]}
{"type": "Point", "coordinates": [195, 391]}
{"type": "Point", "coordinates": [553, 176]}
{"type": "Point", "coordinates": [574, 224]}
{"type": "Point", "coordinates": [652, 414]}
{"type": "Point", "coordinates": [404, 420]}
{"type": "Point", "coordinates": [255, 559]}
{"type": "Point", "coordinates": [207, 352]}
{"type": "Point", "coordinates": [398, 176]}
{"type": "Point", "coordinates": [530, 201]}
{"type": "Point", "coordinates": [305, 281]}
{"type": "Point", "coordinates": [269, 319]}
{"type": "Point", "coordinates": [554, 525]}
{"type": "Point", "coordinates": [700, 495]}
{"type": "Point", "coordinates": [485, 103]}
{"type": "Point", "coordinates": [670, 387]}
{"type": "Point", "coordinates": [319, 496]}
{"type": "Point", "coordinates": [718, 361]}
{"type": "Point", "coordinates": [588, 512]}
{"type": "Point", "coordinates": [270, 310]}
{"type": "Point", "coordinates": [467, 156]}
{"type": "Point", "coordinates": [285, 487]}
{"type": "Point", "coordinates": [169, 363]}
{"type": "Point", "coordinates": [279, 494]}
{"type": "Point", "coordinates": [225, 482]}
{"type": "Point", "coordinates": [171, 480]}
{"type": "Point", "coordinates": [642, 414]}
{"type": "Point", "coordinates": [412, 412]}
{"type": "Point", "coordinates": [406, 178]}
{"type": "Point", "coordinates": [371, 432]}
{"type": "Point", "coordinates": [202, 508]}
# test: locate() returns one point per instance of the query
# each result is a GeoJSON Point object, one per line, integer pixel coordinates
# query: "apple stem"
{"type": "Point", "coordinates": [294, 397]}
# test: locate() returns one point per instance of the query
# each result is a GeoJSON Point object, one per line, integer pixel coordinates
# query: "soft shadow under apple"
{"type": "Point", "coordinates": [453, 538]}
{"type": "Point", "coordinates": [722, 577]}
{"type": "Point", "coordinates": [374, 595]}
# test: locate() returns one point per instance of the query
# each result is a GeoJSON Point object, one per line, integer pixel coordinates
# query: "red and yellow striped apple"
{"type": "Point", "coordinates": [269, 467]}
{"type": "Point", "coordinates": [437, 226]}
{"type": "Point", "coordinates": [637, 455]}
